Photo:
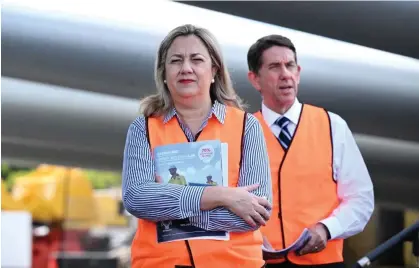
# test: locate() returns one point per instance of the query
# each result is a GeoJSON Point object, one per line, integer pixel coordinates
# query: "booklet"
{"type": "Point", "coordinates": [270, 253]}
{"type": "Point", "coordinates": [201, 163]}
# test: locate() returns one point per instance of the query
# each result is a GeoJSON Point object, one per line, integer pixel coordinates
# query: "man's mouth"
{"type": "Point", "coordinates": [285, 87]}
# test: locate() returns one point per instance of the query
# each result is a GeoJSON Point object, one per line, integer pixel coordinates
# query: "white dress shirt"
{"type": "Point", "coordinates": [354, 186]}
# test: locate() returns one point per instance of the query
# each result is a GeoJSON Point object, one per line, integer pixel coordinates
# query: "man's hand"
{"type": "Point", "coordinates": [317, 241]}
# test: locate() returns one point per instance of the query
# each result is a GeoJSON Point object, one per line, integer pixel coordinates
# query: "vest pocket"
{"type": "Point", "coordinates": [183, 266]}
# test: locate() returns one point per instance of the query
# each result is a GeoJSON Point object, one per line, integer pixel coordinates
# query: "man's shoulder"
{"type": "Point", "coordinates": [334, 117]}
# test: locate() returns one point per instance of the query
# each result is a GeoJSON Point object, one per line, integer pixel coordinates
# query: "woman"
{"type": "Point", "coordinates": [195, 101]}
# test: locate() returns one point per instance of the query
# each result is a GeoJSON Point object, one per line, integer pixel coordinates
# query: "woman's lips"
{"type": "Point", "coordinates": [186, 81]}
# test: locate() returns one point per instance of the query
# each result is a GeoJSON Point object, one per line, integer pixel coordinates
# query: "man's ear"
{"type": "Point", "coordinates": [254, 80]}
{"type": "Point", "coordinates": [298, 74]}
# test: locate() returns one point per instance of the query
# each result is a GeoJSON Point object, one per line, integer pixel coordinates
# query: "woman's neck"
{"type": "Point", "coordinates": [193, 111]}
{"type": "Point", "coordinates": [194, 114]}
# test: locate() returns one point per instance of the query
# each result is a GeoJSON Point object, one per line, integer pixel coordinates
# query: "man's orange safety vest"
{"type": "Point", "coordinates": [304, 191]}
{"type": "Point", "coordinates": [242, 250]}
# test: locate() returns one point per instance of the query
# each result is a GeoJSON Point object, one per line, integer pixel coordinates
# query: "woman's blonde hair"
{"type": "Point", "coordinates": [221, 90]}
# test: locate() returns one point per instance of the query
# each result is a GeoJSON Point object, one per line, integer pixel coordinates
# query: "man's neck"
{"type": "Point", "coordinates": [281, 108]}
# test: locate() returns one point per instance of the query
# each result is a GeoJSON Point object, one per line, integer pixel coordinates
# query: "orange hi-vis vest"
{"type": "Point", "coordinates": [243, 250]}
{"type": "Point", "coordinates": [304, 191]}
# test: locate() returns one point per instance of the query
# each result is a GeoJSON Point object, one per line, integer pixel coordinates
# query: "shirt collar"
{"type": "Point", "coordinates": [293, 113]}
{"type": "Point", "coordinates": [218, 110]}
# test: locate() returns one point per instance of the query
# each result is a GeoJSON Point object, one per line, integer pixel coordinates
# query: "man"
{"type": "Point", "coordinates": [319, 178]}
{"type": "Point", "coordinates": [176, 178]}
{"type": "Point", "coordinates": [210, 181]}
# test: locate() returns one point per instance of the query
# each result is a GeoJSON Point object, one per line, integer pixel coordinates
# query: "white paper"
{"type": "Point", "coordinates": [270, 253]}
{"type": "Point", "coordinates": [16, 239]}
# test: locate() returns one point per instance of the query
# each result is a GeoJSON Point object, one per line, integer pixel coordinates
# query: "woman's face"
{"type": "Point", "coordinates": [189, 69]}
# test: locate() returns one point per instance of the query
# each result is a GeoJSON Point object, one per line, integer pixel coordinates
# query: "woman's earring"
{"type": "Point", "coordinates": [212, 81]}
{"type": "Point", "coordinates": [164, 81]}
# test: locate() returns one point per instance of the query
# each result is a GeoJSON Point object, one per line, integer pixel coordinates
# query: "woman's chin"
{"type": "Point", "coordinates": [187, 93]}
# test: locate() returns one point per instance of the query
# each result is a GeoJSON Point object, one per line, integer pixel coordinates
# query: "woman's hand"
{"type": "Point", "coordinates": [251, 208]}
{"type": "Point", "coordinates": [158, 178]}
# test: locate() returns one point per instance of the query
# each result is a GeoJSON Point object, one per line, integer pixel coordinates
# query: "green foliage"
{"type": "Point", "coordinates": [13, 175]}
{"type": "Point", "coordinates": [99, 179]}
{"type": "Point", "coordinates": [4, 170]}
{"type": "Point", "coordinates": [103, 179]}
{"type": "Point", "coordinates": [9, 174]}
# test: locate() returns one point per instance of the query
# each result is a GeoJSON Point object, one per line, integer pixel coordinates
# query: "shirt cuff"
{"type": "Point", "coordinates": [201, 220]}
{"type": "Point", "coordinates": [334, 227]}
{"type": "Point", "coordinates": [190, 200]}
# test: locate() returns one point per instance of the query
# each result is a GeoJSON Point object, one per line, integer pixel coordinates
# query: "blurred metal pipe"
{"type": "Point", "coordinates": [112, 49]}
{"type": "Point", "coordinates": [46, 123]}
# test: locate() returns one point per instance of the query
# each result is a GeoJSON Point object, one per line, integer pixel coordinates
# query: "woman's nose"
{"type": "Point", "coordinates": [186, 67]}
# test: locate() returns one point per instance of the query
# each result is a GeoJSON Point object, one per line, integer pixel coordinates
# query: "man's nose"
{"type": "Point", "coordinates": [284, 73]}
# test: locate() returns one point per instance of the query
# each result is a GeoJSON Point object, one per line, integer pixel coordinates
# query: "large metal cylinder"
{"type": "Point", "coordinates": [111, 50]}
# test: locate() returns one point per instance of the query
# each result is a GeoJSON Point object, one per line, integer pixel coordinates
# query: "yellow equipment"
{"type": "Point", "coordinates": [7, 201]}
{"type": "Point", "coordinates": [55, 193]}
{"type": "Point", "coordinates": [108, 213]}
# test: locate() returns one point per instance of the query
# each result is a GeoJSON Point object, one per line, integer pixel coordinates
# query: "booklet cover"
{"type": "Point", "coordinates": [191, 164]}
{"type": "Point", "coordinates": [269, 253]}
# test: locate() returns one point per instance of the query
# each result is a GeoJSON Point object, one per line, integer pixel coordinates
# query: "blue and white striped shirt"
{"type": "Point", "coordinates": [146, 199]}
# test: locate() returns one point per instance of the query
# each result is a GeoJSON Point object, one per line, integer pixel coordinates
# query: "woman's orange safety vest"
{"type": "Point", "coordinates": [304, 191]}
{"type": "Point", "coordinates": [242, 250]}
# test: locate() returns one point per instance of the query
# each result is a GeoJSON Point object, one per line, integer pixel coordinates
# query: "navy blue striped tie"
{"type": "Point", "coordinates": [284, 136]}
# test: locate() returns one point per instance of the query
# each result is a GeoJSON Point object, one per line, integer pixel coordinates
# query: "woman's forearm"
{"type": "Point", "coordinates": [213, 197]}
{"type": "Point", "coordinates": [157, 202]}
{"type": "Point", "coordinates": [221, 219]}
{"type": "Point", "coordinates": [216, 216]}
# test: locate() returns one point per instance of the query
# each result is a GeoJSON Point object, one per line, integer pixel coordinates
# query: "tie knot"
{"type": "Point", "coordinates": [282, 122]}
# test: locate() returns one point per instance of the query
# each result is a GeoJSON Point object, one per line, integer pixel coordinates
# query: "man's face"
{"type": "Point", "coordinates": [278, 77]}
{"type": "Point", "coordinates": [172, 171]}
